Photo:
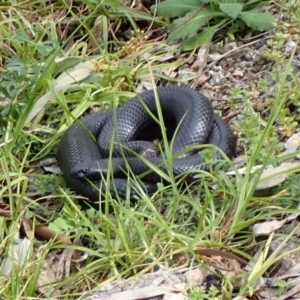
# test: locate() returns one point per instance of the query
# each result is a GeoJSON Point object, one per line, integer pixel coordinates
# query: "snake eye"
{"type": "Point", "coordinates": [79, 174]}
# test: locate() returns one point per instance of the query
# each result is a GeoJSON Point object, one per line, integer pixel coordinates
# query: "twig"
{"type": "Point", "coordinates": [232, 51]}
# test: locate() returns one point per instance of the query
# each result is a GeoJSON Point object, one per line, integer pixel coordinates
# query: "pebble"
{"type": "Point", "coordinates": [289, 47]}
{"type": "Point", "coordinates": [250, 56]}
{"type": "Point", "coordinates": [217, 79]}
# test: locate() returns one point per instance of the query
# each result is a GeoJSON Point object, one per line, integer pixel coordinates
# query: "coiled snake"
{"type": "Point", "coordinates": [85, 146]}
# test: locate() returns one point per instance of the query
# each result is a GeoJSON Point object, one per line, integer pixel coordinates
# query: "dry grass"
{"type": "Point", "coordinates": [117, 50]}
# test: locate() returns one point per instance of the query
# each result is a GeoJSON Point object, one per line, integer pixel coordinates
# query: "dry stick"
{"type": "Point", "coordinates": [253, 37]}
{"type": "Point", "coordinates": [232, 51]}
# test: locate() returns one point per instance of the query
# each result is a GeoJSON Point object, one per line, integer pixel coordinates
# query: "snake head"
{"type": "Point", "coordinates": [79, 173]}
{"type": "Point", "coordinates": [83, 170]}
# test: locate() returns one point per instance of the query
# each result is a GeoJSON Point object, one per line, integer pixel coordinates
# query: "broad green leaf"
{"type": "Point", "coordinates": [258, 21]}
{"type": "Point", "coordinates": [255, 4]}
{"type": "Point", "coordinates": [236, 26]}
{"type": "Point", "coordinates": [176, 8]}
{"type": "Point", "coordinates": [61, 64]}
{"type": "Point", "coordinates": [192, 24]}
{"type": "Point", "coordinates": [231, 9]}
{"type": "Point", "coordinates": [204, 38]}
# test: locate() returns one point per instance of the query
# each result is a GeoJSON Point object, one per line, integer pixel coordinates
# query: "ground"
{"type": "Point", "coordinates": [231, 235]}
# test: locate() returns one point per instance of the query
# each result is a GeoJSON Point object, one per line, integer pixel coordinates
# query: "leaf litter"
{"type": "Point", "coordinates": [158, 285]}
{"type": "Point", "coordinates": [204, 71]}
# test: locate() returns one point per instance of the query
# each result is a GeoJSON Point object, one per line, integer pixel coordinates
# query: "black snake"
{"type": "Point", "coordinates": [84, 150]}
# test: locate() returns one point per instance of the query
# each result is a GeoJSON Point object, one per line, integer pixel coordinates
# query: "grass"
{"type": "Point", "coordinates": [39, 45]}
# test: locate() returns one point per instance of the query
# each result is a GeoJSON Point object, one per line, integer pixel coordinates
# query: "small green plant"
{"type": "Point", "coordinates": [199, 293]}
{"type": "Point", "coordinates": [123, 239]}
{"type": "Point", "coordinates": [197, 21]}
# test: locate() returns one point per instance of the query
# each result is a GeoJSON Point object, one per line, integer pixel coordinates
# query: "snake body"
{"type": "Point", "coordinates": [83, 152]}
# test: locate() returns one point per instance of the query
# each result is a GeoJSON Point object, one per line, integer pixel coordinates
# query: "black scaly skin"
{"type": "Point", "coordinates": [81, 157]}
{"type": "Point", "coordinates": [78, 147]}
